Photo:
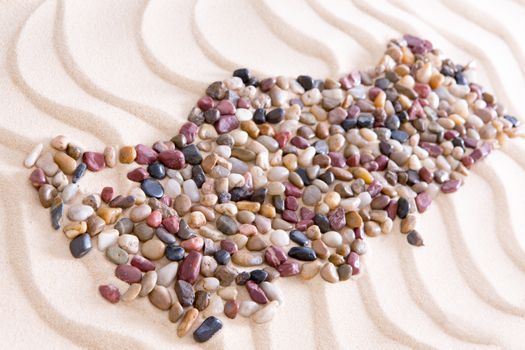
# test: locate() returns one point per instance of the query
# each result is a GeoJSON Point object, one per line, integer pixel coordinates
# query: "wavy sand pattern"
{"type": "Point", "coordinates": [128, 71]}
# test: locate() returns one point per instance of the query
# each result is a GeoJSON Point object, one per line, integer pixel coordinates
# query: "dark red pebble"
{"type": "Point", "coordinates": [299, 142]}
{"type": "Point", "coordinates": [337, 159]}
{"type": "Point", "coordinates": [423, 90]}
{"type": "Point", "coordinates": [467, 161]}
{"type": "Point", "coordinates": [425, 175]}
{"type": "Point", "coordinates": [481, 152]}
{"type": "Point", "coordinates": [190, 267]}
{"type": "Point", "coordinates": [354, 160]}
{"type": "Point", "coordinates": [229, 246]}
{"type": "Point", "coordinates": [417, 45]}
{"type": "Point", "coordinates": [451, 134]}
{"type": "Point", "coordinates": [382, 162]}
{"type": "Point", "coordinates": [371, 166]}
{"type": "Point", "coordinates": [288, 269]}
{"type": "Point", "coordinates": [173, 159]}
{"type": "Point", "coordinates": [353, 111]}
{"type": "Point", "coordinates": [391, 209]}
{"type": "Point", "coordinates": [110, 293]}
{"type": "Point", "coordinates": [142, 263]}
{"type": "Point", "coordinates": [359, 232]}
{"type": "Point", "coordinates": [373, 92]}
{"type": "Point", "coordinates": [128, 273]}
{"type": "Point", "coordinates": [423, 201]}
{"type": "Point", "coordinates": [167, 200]}
{"type": "Point", "coordinates": [353, 260]}
{"type": "Point", "coordinates": [107, 194]}
{"type": "Point", "coordinates": [275, 256]}
{"type": "Point", "coordinates": [450, 186]}
{"type": "Point", "coordinates": [189, 130]}
{"type": "Point", "coordinates": [38, 178]}
{"type": "Point", "coordinates": [171, 224]}
{"type": "Point", "coordinates": [205, 103]}
{"type": "Point", "coordinates": [145, 154]}
{"type": "Point", "coordinates": [304, 224]}
{"type": "Point", "coordinates": [290, 216]}
{"type": "Point", "coordinates": [374, 188]}
{"type": "Point", "coordinates": [306, 213]}
{"type": "Point", "coordinates": [291, 203]}
{"type": "Point", "coordinates": [226, 107]}
{"type": "Point", "coordinates": [291, 190]}
{"type": "Point", "coordinates": [94, 161]}
{"type": "Point", "coordinates": [432, 149]}
{"type": "Point", "coordinates": [416, 111]}
{"type": "Point", "coordinates": [243, 102]}
{"type": "Point", "coordinates": [226, 123]}
{"type": "Point", "coordinates": [256, 293]}
{"type": "Point", "coordinates": [138, 175]}
{"type": "Point", "coordinates": [337, 219]}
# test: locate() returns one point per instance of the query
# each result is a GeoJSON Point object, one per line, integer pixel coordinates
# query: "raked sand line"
{"type": "Point", "coordinates": [68, 115]}
{"type": "Point", "coordinates": [162, 121]}
{"type": "Point", "coordinates": [155, 65]}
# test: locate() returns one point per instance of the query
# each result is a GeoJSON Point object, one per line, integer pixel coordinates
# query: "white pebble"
{"type": "Point", "coordinates": [191, 190]}
{"type": "Point", "coordinates": [280, 238]}
{"type": "Point", "coordinates": [107, 238]}
{"type": "Point", "coordinates": [215, 307]}
{"type": "Point", "coordinates": [172, 188]}
{"type": "Point", "coordinates": [248, 307]}
{"type": "Point", "coordinates": [266, 314]}
{"type": "Point", "coordinates": [332, 239]}
{"type": "Point", "coordinates": [32, 157]}
{"type": "Point", "coordinates": [350, 204]}
{"type": "Point", "coordinates": [365, 198]}
{"type": "Point", "coordinates": [69, 192]}
{"type": "Point", "coordinates": [223, 151]}
{"type": "Point", "coordinates": [166, 275]}
{"type": "Point", "coordinates": [272, 291]}
{"type": "Point", "coordinates": [79, 212]}
{"type": "Point", "coordinates": [243, 114]}
{"type": "Point", "coordinates": [139, 195]}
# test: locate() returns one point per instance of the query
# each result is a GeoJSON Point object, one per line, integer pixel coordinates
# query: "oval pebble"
{"type": "Point", "coordinates": [280, 238]}
{"type": "Point", "coordinates": [248, 308]}
{"type": "Point", "coordinates": [79, 212]}
{"type": "Point", "coordinates": [107, 238]}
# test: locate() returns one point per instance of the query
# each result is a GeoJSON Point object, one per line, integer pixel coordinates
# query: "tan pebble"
{"type": "Point", "coordinates": [329, 273]}
{"type": "Point", "coordinates": [153, 249]}
{"type": "Point", "coordinates": [336, 259]}
{"type": "Point", "coordinates": [313, 232]}
{"type": "Point", "coordinates": [310, 270]}
{"type": "Point", "coordinates": [74, 229]}
{"type": "Point", "coordinates": [250, 206]}
{"type": "Point", "coordinates": [176, 312]}
{"type": "Point", "coordinates": [110, 156]}
{"type": "Point", "coordinates": [46, 194]}
{"type": "Point", "coordinates": [256, 243]}
{"type": "Point", "coordinates": [129, 243]}
{"type": "Point", "coordinates": [95, 225]}
{"type": "Point", "coordinates": [228, 293]}
{"type": "Point", "coordinates": [160, 297]}
{"type": "Point", "coordinates": [139, 195]}
{"type": "Point", "coordinates": [196, 219]}
{"type": "Point", "coordinates": [149, 280]}
{"type": "Point", "coordinates": [59, 142]}
{"type": "Point", "coordinates": [127, 154]}
{"type": "Point", "coordinates": [140, 212]}
{"type": "Point", "coordinates": [65, 163]}
{"type": "Point", "coordinates": [132, 293]}
{"type": "Point", "coordinates": [353, 219]}
{"type": "Point", "coordinates": [240, 240]}
{"type": "Point", "coordinates": [408, 223]}
{"type": "Point", "coordinates": [268, 211]}
{"type": "Point", "coordinates": [187, 321]}
{"type": "Point", "coordinates": [109, 215]}
{"type": "Point", "coordinates": [332, 199]}
{"type": "Point", "coordinates": [320, 248]}
{"type": "Point", "coordinates": [372, 229]}
{"type": "Point", "coordinates": [247, 259]}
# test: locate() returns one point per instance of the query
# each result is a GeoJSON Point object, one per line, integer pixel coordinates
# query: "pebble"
{"type": "Point", "coordinates": [175, 313]}
{"type": "Point", "coordinates": [187, 321]}
{"type": "Point", "coordinates": [142, 263]}
{"type": "Point", "coordinates": [110, 292]}
{"type": "Point", "coordinates": [95, 161]}
{"type": "Point", "coordinates": [312, 195]}
{"type": "Point", "coordinates": [47, 164]}
{"type": "Point", "coordinates": [79, 212]}
{"type": "Point", "coordinates": [153, 249]}
{"type": "Point", "coordinates": [128, 273]}
{"type": "Point", "coordinates": [59, 142]}
{"type": "Point", "coordinates": [231, 308]}
{"type": "Point", "coordinates": [152, 188]}
{"type": "Point", "coordinates": [46, 194]}
{"type": "Point", "coordinates": [160, 297]}
{"type": "Point", "coordinates": [166, 274]}
{"type": "Point", "coordinates": [107, 238]}
{"type": "Point", "coordinates": [207, 329]}
{"type": "Point", "coordinates": [248, 308]}
{"type": "Point", "coordinates": [189, 267]}
{"type": "Point", "coordinates": [310, 270]}
{"type": "Point", "coordinates": [131, 293]}
{"type": "Point", "coordinates": [129, 243]}
{"type": "Point", "coordinates": [33, 156]}
{"type": "Point", "coordinates": [116, 255]}
{"type": "Point", "coordinates": [148, 283]}
{"type": "Point", "coordinates": [329, 273]}
{"type": "Point", "coordinates": [279, 238]}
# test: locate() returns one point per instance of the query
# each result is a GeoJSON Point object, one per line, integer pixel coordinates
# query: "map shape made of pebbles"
{"type": "Point", "coordinates": [275, 178]}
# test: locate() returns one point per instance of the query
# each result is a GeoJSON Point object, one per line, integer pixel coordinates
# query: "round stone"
{"type": "Point", "coordinates": [152, 188]}
{"type": "Point", "coordinates": [153, 249]}
{"type": "Point", "coordinates": [312, 195]}
{"type": "Point", "coordinates": [79, 212]}
{"type": "Point", "coordinates": [279, 238]}
{"type": "Point", "coordinates": [80, 246]}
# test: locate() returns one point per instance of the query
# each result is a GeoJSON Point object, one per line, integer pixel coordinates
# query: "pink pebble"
{"type": "Point", "coordinates": [171, 224]}
{"type": "Point", "coordinates": [154, 219]}
{"type": "Point", "coordinates": [145, 154]}
{"type": "Point", "coordinates": [38, 178]}
{"type": "Point", "coordinates": [94, 160]}
{"type": "Point", "coordinates": [195, 243]}
{"type": "Point", "coordinates": [138, 175]}
{"type": "Point", "coordinates": [110, 293]}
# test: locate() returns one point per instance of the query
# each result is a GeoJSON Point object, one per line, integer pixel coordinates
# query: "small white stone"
{"type": "Point", "coordinates": [139, 195]}
{"type": "Point", "coordinates": [272, 291]}
{"type": "Point", "coordinates": [243, 114]}
{"type": "Point", "coordinates": [365, 198]}
{"type": "Point", "coordinates": [266, 314]}
{"type": "Point", "coordinates": [228, 293]}
{"type": "Point", "coordinates": [223, 151]}
{"type": "Point", "coordinates": [130, 243]}
{"type": "Point", "coordinates": [107, 238]}
{"type": "Point", "coordinates": [140, 212]}
{"type": "Point", "coordinates": [191, 190]}
{"type": "Point", "coordinates": [278, 173]}
{"type": "Point", "coordinates": [79, 212]}
{"type": "Point", "coordinates": [306, 157]}
{"type": "Point", "coordinates": [172, 188]}
{"type": "Point", "coordinates": [248, 307]}
{"type": "Point", "coordinates": [332, 239]}
{"type": "Point", "coordinates": [166, 275]}
{"type": "Point", "coordinates": [239, 137]}
{"type": "Point", "coordinates": [69, 192]}
{"type": "Point", "coordinates": [275, 188]}
{"type": "Point", "coordinates": [210, 284]}
{"type": "Point", "coordinates": [32, 157]}
{"type": "Point", "coordinates": [280, 238]}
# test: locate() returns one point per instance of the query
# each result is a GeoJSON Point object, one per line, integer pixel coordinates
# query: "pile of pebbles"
{"type": "Point", "coordinates": [275, 178]}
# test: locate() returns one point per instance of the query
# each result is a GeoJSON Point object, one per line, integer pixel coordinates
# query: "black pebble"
{"type": "Point", "coordinates": [56, 216]}
{"type": "Point", "coordinates": [413, 177]}
{"type": "Point", "coordinates": [349, 123]}
{"type": "Point", "coordinates": [328, 177]}
{"type": "Point", "coordinates": [259, 195]}
{"type": "Point", "coordinates": [243, 73]}
{"type": "Point", "coordinates": [385, 148]}
{"type": "Point", "coordinates": [402, 208]}
{"type": "Point", "coordinates": [258, 276]}
{"type": "Point", "coordinates": [79, 172]}
{"type": "Point", "coordinates": [157, 170]}
{"type": "Point", "coordinates": [322, 222]}
{"type": "Point", "coordinates": [152, 188]}
{"type": "Point", "coordinates": [80, 246]}
{"type": "Point", "coordinates": [192, 155]}
{"type": "Point", "coordinates": [240, 194]}
{"type": "Point", "coordinates": [402, 116]}
{"type": "Point", "coordinates": [198, 175]}
{"type": "Point", "coordinates": [382, 83]}
{"type": "Point", "coordinates": [458, 142]}
{"type": "Point", "coordinates": [222, 257]}
{"type": "Point", "coordinates": [174, 252]}
{"type": "Point", "coordinates": [278, 203]}
{"type": "Point", "coordinates": [365, 120]}
{"type": "Point", "coordinates": [302, 253]}
{"type": "Point", "coordinates": [304, 176]}
{"type": "Point", "coordinates": [299, 237]}
{"type": "Point", "coordinates": [306, 82]}
{"type": "Point", "coordinates": [393, 122]}
{"type": "Point", "coordinates": [207, 329]}
{"type": "Point", "coordinates": [399, 135]}
{"type": "Point", "coordinates": [460, 78]}
{"type": "Point", "coordinates": [259, 116]}
{"type": "Point", "coordinates": [275, 116]}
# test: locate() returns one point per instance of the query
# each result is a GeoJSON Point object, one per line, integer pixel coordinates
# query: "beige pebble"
{"type": "Point", "coordinates": [196, 219]}
{"type": "Point", "coordinates": [59, 142]}
{"type": "Point", "coordinates": [266, 314]}
{"type": "Point", "coordinates": [176, 312]}
{"type": "Point", "coordinates": [310, 270]}
{"type": "Point", "coordinates": [153, 249]}
{"type": "Point", "coordinates": [32, 157]}
{"type": "Point", "coordinates": [149, 280]}
{"type": "Point", "coordinates": [329, 273]}
{"type": "Point", "coordinates": [131, 293]}
{"type": "Point", "coordinates": [228, 293]}
{"type": "Point", "coordinates": [160, 297]}
{"type": "Point", "coordinates": [140, 212]}
{"type": "Point", "coordinates": [110, 156]}
{"type": "Point", "coordinates": [187, 321]}
{"type": "Point", "coordinates": [129, 243]}
{"type": "Point", "coordinates": [408, 223]}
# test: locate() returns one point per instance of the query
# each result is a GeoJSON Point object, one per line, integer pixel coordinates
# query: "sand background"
{"type": "Point", "coordinates": [128, 71]}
